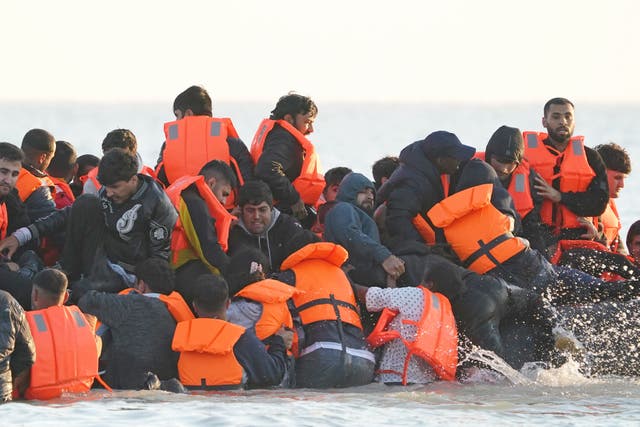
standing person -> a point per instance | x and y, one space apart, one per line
573 179
261 225
65 342
130 220
215 353
199 240
34 186
618 164
196 137
286 160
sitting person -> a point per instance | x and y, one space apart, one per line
17 350
261 225
141 325
65 341
217 354
331 350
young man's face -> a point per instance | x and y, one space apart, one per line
221 189
256 217
559 122
302 122
503 167
616 182
9 171
121 191
365 200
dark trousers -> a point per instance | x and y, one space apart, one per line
328 368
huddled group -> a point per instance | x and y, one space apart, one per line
228 267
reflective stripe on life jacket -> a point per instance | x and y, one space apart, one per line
611 225
67 356
206 353
574 172
273 295
4 220
310 183
478 232
519 187
27 183
436 339
328 295
184 240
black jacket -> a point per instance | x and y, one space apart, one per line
279 165
263 367
271 242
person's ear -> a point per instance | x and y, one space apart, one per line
66 297
289 119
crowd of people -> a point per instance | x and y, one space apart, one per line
230 266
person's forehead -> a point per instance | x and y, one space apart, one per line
560 108
258 206
8 164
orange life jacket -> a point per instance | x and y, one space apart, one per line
28 183
273 295
424 228
478 232
328 295
575 174
67 356
611 223
436 339
63 194
181 249
206 353
193 141
519 188
177 306
310 183
4 220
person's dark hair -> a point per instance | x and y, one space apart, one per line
254 193
239 272
299 240
52 281
615 157
334 175
87 161
556 101
157 274
117 165
210 293
64 160
383 168
38 140
445 276
120 138
220 171
505 145
293 104
10 152
195 99
634 230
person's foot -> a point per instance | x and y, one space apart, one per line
172 385
152 382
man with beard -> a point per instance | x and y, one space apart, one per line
573 178
350 224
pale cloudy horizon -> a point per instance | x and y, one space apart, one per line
496 51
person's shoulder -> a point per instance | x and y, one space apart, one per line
288 221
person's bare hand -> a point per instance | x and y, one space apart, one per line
394 266
286 335
547 191
9 245
591 230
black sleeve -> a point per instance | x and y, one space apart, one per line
55 222
263 369
403 204
593 201
24 353
161 223
16 211
238 150
204 227
279 164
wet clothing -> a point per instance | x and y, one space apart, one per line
142 330
271 242
130 232
17 349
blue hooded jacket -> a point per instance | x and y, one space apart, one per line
349 226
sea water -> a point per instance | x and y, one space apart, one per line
353 135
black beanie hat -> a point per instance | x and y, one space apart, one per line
506 143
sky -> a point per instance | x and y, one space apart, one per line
453 51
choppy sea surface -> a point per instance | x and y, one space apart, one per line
353 135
